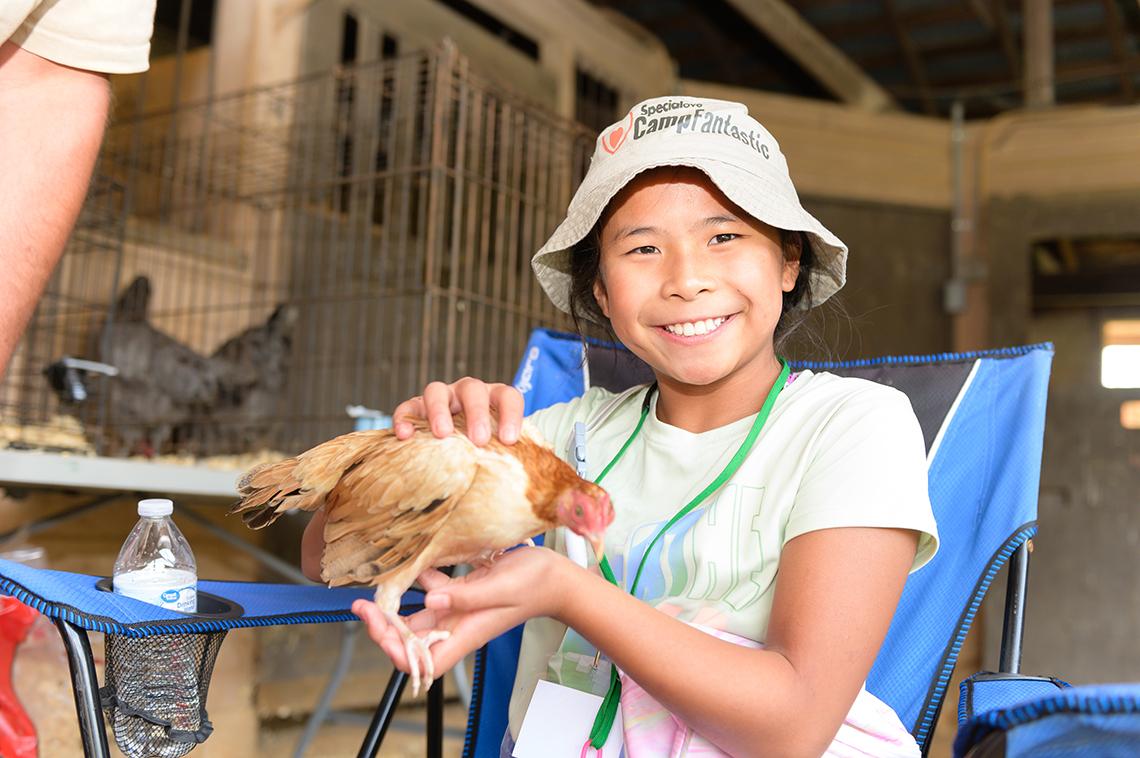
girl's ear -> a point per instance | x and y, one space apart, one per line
792 253
601 296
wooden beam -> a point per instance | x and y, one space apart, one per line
814 53
974 85
984 13
842 28
951 48
1037 23
1008 42
1119 47
913 62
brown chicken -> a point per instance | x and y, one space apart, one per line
397 508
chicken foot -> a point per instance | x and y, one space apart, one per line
416 648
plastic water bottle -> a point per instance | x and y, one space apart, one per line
155 564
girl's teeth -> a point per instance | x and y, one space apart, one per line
690 328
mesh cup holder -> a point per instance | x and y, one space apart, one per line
155 687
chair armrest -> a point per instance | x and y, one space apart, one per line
1099 719
990 690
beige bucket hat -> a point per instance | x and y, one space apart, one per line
719 138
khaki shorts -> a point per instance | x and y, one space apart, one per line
109 36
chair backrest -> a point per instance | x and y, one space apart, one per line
982 416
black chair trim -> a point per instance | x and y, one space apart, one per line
475 710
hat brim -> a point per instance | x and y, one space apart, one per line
751 192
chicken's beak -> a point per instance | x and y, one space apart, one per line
599 544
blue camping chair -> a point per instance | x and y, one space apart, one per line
982 416
1101 720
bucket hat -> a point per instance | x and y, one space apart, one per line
717 137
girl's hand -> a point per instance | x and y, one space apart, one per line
524 583
471 397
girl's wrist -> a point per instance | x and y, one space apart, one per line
569 589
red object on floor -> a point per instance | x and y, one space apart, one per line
17 733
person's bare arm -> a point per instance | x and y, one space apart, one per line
52 119
313 546
835 594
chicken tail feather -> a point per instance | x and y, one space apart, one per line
269 490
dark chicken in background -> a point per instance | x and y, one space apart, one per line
165 395
161 383
252 369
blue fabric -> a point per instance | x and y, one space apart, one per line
1097 720
551 370
74 597
983 486
987 691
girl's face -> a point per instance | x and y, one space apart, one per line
691 283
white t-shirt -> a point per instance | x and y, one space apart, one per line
834 452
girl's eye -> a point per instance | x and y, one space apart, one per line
643 250
724 237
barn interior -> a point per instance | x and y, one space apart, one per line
329 203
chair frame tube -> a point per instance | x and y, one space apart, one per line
1013 626
382 719
85 685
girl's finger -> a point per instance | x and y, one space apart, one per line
374 622
470 635
404 413
468 596
474 399
508 404
369 614
439 405
433 579
387 637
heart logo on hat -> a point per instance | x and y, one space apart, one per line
612 141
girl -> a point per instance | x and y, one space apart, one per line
766 521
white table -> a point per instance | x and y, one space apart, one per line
30 468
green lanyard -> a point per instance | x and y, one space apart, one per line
604 721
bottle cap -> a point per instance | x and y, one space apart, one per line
155 507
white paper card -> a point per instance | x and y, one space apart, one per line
557 725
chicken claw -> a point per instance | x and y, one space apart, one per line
487 558
418 650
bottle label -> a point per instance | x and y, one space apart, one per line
172 590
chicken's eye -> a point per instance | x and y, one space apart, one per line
578 511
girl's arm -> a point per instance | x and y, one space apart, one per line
835 594
312 545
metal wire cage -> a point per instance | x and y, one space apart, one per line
251 264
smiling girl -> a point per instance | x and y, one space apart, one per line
766 520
